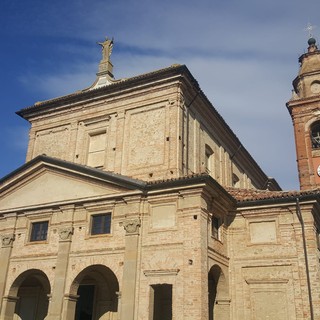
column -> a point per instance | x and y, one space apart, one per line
6 247
130 269
57 297
69 308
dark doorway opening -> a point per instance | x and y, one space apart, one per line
33 297
212 286
97 287
162 301
84 309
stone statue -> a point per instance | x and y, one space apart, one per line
107 46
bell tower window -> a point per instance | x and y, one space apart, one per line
315 135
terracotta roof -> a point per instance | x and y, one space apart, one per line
253 195
183 178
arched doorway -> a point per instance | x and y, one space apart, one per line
218 295
97 289
28 296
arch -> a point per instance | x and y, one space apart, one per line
235 181
209 161
96 290
218 294
28 296
315 134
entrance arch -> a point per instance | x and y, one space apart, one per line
218 290
28 296
96 288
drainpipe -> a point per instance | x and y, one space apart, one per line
299 215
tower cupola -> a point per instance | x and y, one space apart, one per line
307 83
304 108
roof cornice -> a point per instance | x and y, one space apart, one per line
117 87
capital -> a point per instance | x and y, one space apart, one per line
132 226
7 240
65 233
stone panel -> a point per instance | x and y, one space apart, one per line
263 231
146 138
52 142
163 216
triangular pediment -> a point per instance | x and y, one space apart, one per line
44 183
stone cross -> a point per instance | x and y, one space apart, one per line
310 28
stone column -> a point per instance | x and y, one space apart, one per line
69 308
57 297
8 307
6 248
130 269
222 309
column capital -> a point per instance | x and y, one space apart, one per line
132 226
71 297
65 233
7 240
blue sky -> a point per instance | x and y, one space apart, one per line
244 55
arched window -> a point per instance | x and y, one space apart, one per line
235 181
209 160
315 135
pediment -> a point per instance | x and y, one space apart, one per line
44 185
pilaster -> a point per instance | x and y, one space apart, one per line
130 268
7 239
57 299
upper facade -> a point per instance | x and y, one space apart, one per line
304 108
155 126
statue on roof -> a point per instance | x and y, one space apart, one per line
106 47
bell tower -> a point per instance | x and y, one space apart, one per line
304 108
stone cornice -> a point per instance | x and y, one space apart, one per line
116 88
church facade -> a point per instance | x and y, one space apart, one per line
137 201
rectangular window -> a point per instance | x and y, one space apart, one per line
215 226
39 231
318 238
96 151
101 223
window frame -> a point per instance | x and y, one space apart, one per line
104 225
34 236
208 160
216 227
314 143
93 154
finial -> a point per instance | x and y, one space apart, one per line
310 28
311 41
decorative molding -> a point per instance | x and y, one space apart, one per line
223 301
7 240
266 281
132 226
65 233
161 272
11 298
71 297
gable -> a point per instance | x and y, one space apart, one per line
49 186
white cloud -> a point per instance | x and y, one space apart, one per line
243 53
